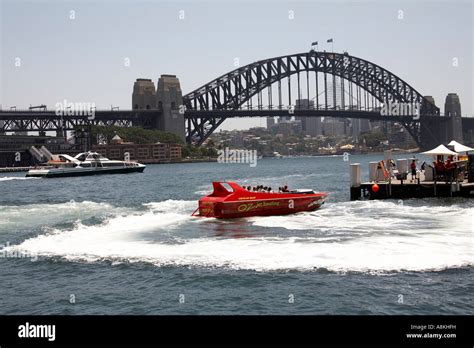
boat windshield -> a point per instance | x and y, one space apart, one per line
222 189
81 157
227 186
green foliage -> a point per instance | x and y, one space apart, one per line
373 139
198 152
135 135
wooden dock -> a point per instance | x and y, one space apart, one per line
418 188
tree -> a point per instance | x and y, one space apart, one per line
134 135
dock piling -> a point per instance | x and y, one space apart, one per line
355 181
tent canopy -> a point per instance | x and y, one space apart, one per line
460 147
440 150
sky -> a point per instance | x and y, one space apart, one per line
92 51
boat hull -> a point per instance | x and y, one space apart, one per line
57 173
268 207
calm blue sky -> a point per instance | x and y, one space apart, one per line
82 59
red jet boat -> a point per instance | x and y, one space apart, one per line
230 200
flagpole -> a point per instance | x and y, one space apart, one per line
331 40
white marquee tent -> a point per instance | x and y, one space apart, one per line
460 147
440 151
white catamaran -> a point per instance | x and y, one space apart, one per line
86 163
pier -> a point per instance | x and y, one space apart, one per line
402 186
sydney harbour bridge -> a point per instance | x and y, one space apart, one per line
338 85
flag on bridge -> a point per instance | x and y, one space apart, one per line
329 40
314 43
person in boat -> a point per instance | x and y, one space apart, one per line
285 189
413 169
269 190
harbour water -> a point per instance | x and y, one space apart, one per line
126 244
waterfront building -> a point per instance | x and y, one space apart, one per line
146 153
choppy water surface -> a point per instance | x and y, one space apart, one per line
128 244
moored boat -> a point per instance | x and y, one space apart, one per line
229 200
86 163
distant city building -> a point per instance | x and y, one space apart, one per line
287 127
309 125
297 126
144 95
359 126
452 109
270 122
333 127
237 140
149 153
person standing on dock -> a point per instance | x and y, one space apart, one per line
413 170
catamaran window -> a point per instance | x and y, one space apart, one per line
112 164
81 157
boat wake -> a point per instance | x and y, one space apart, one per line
374 237
44 215
10 178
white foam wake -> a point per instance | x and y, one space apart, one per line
33 215
404 238
10 178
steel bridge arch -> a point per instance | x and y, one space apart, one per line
230 91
